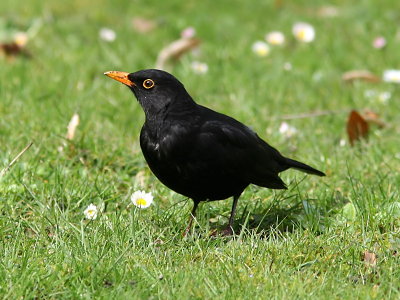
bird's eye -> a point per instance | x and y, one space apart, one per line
148 84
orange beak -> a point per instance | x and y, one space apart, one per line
121 77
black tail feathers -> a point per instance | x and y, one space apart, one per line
303 167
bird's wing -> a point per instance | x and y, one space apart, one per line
233 149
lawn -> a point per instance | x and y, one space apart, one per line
336 237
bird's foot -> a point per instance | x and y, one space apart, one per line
228 231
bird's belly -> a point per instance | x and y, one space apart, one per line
201 185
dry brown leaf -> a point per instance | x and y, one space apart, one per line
369 258
143 25
357 127
72 125
141 178
175 50
13 49
158 242
365 75
372 117
10 49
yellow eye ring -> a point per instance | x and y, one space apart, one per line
148 84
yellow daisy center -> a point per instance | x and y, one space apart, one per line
90 212
141 202
302 34
275 40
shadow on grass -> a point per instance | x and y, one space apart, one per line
283 212
262 220
280 215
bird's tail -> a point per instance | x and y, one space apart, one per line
303 167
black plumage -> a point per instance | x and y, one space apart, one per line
197 152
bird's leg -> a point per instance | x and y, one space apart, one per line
192 216
233 211
229 230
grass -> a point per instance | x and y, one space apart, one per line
306 242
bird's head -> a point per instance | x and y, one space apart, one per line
155 90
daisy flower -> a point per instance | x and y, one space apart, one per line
91 212
384 97
287 130
287 66
199 67
303 32
107 34
275 38
391 76
379 42
21 38
260 48
188 33
142 199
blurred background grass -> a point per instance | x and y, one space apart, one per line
44 195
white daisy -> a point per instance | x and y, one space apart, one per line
303 32
287 66
287 130
391 76
107 34
384 97
199 67
91 212
142 199
275 38
260 48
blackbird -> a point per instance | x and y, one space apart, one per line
197 152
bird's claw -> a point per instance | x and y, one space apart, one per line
228 231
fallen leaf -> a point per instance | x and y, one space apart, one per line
12 49
365 75
357 127
372 117
175 50
141 178
158 242
72 125
369 258
15 47
143 25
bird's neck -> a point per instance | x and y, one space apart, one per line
160 118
